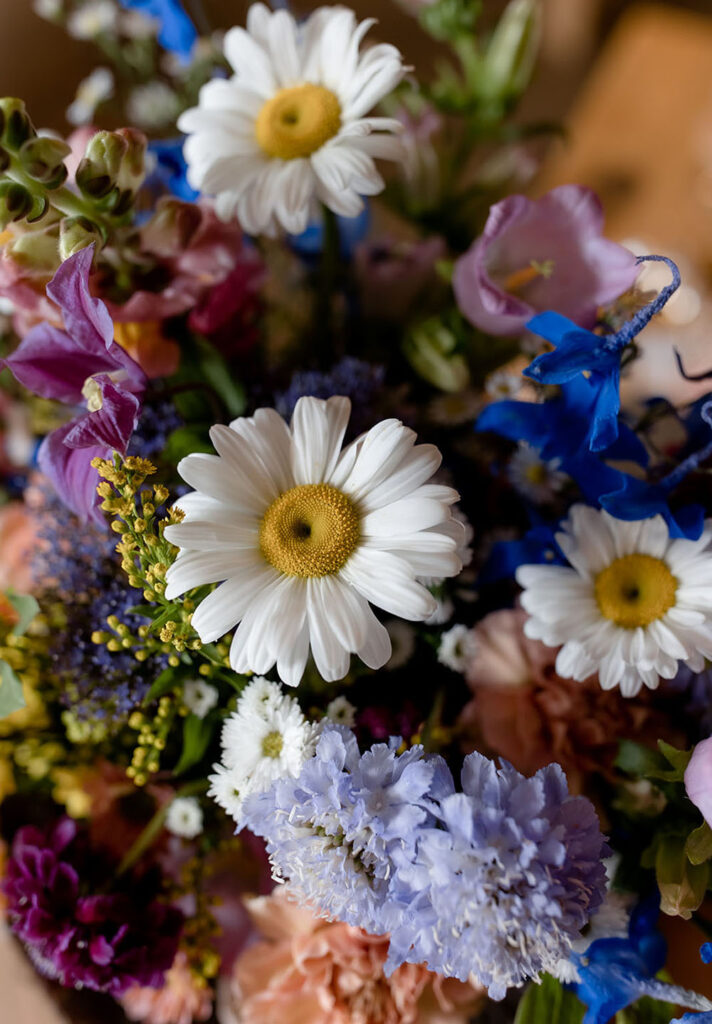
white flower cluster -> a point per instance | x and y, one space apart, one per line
265 738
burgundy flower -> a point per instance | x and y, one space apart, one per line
80 365
103 941
543 254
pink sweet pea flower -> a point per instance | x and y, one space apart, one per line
537 255
698 779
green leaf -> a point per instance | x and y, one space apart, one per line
635 759
549 1003
184 441
168 614
165 682
646 1011
11 695
217 374
682 884
699 844
197 734
26 607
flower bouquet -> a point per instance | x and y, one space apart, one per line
353 633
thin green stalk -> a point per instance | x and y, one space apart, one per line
152 831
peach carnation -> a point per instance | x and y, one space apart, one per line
526 713
306 970
182 1000
18 539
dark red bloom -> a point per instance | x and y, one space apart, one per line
105 941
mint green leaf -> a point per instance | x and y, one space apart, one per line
197 734
549 1003
699 844
26 608
11 695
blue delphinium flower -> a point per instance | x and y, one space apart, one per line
332 831
513 876
177 32
169 172
579 351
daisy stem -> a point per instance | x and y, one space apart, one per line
327 281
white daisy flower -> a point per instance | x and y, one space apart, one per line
533 477
289 128
199 697
304 535
502 384
262 741
153 105
92 19
633 603
260 695
91 91
342 712
184 817
457 648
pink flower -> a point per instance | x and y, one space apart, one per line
181 1000
698 779
537 255
309 971
393 275
18 541
526 713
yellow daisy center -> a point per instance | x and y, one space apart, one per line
311 530
536 473
298 121
635 590
272 744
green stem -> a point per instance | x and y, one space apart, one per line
155 826
327 281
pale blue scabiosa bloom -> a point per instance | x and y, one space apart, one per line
332 831
513 876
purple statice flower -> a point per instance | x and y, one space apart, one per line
81 365
512 874
76 933
542 254
77 567
333 830
358 380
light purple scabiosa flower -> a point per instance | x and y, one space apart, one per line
332 832
513 874
541 254
81 365
75 931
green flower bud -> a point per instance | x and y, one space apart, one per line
171 227
18 203
682 884
15 125
77 233
42 158
509 59
430 350
449 19
112 169
36 251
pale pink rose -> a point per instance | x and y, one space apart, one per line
181 1000
18 540
698 779
309 971
523 711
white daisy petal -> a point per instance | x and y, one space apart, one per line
385 581
318 429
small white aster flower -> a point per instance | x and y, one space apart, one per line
184 817
153 105
92 19
199 697
503 384
306 534
533 477
49 9
259 696
91 91
137 25
262 741
632 604
341 711
290 127
457 648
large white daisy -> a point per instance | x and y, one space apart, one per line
633 603
289 128
305 534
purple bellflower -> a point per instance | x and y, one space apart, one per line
541 254
81 365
